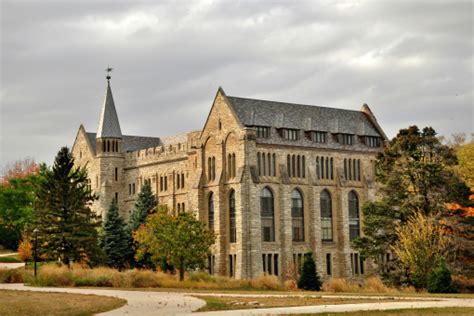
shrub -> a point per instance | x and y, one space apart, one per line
12 275
464 283
339 285
266 282
439 280
309 278
373 284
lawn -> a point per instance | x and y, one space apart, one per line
14 303
10 259
239 302
448 311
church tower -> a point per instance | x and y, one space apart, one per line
110 153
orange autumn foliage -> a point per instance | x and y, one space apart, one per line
19 169
25 250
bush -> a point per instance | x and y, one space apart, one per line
309 278
12 275
439 280
266 282
464 283
340 285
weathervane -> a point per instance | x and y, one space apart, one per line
108 70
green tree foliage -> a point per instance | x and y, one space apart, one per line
114 238
309 278
145 205
439 280
67 226
182 239
17 194
465 168
414 174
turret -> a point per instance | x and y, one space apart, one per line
109 135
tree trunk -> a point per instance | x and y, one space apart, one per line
181 271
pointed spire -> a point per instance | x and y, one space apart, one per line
109 125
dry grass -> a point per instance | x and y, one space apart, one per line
14 303
370 285
238 302
52 275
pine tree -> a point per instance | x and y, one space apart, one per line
309 278
67 226
144 205
114 238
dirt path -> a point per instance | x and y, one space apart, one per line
174 303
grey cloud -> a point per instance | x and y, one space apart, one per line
411 61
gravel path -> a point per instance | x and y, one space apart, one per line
174 303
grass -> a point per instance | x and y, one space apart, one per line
10 259
448 311
238 302
14 303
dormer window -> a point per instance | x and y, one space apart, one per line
263 132
318 137
372 141
288 133
345 139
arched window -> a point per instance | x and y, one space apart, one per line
358 170
264 168
210 211
326 216
297 216
229 166
103 147
232 226
332 168
354 220
179 208
177 181
354 168
113 146
108 145
293 167
298 166
345 169
182 180
267 213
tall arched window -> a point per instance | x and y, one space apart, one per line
297 216
103 147
269 164
326 216
213 168
209 168
108 145
354 220
274 165
258 165
234 168
267 213
232 226
210 211
288 165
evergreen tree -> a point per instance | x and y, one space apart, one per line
309 278
67 226
145 205
415 174
439 280
114 238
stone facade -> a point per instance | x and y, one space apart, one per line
242 150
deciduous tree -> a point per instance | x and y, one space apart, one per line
181 239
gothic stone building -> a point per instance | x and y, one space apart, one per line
271 179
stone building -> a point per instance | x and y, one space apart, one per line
272 179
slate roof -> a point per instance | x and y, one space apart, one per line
133 143
252 112
109 125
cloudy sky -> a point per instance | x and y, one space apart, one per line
411 61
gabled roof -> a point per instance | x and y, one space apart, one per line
109 125
252 112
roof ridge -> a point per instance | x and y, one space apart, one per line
299 104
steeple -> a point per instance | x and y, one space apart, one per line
109 126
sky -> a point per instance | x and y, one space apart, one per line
410 61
